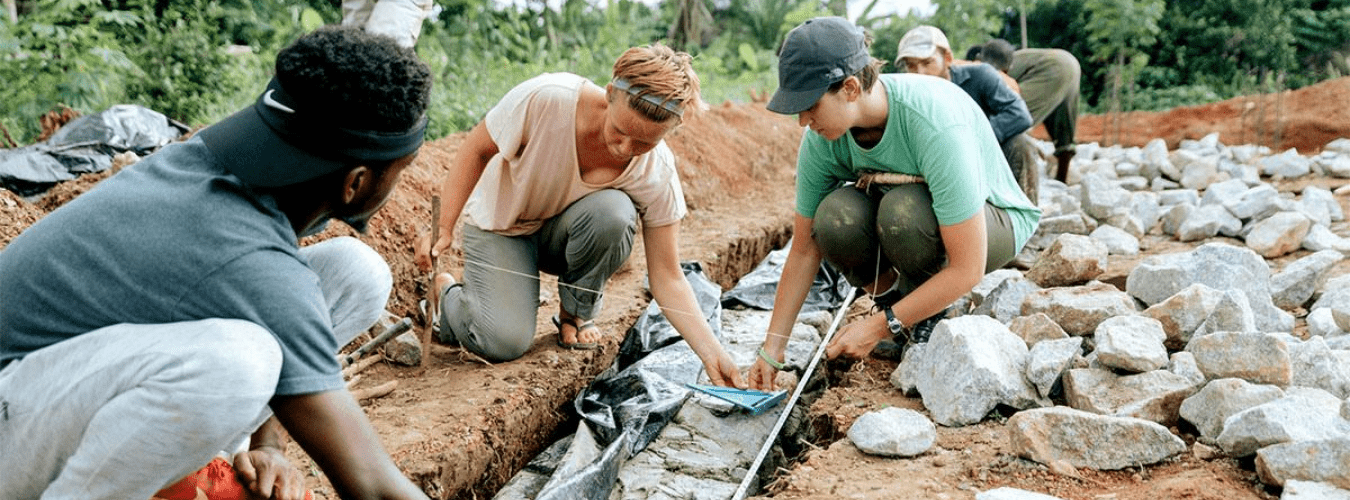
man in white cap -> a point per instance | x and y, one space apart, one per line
925 50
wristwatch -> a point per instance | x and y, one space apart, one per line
896 327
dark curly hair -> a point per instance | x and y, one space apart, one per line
353 79
998 53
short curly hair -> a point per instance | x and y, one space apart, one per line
998 53
353 79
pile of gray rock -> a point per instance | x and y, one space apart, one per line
1201 340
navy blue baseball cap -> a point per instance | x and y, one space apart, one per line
275 143
818 53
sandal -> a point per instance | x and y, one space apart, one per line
575 346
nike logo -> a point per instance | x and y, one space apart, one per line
272 103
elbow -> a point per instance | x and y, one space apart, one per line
966 277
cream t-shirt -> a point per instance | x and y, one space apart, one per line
535 174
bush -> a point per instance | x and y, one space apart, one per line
182 64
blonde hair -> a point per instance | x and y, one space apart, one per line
660 82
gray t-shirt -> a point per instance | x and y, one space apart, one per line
172 238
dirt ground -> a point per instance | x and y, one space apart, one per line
461 427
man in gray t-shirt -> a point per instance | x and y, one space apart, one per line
169 314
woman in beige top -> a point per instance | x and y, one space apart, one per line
555 179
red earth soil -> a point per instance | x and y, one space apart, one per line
461 427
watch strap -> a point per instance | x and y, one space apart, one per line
892 323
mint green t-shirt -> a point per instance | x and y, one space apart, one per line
933 130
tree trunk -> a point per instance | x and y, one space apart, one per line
12 10
1113 106
1022 19
691 26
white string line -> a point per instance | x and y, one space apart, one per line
536 277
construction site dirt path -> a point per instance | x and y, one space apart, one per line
461 427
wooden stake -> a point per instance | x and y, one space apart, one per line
375 392
351 371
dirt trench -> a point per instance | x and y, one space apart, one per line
461 428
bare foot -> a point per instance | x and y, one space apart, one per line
442 281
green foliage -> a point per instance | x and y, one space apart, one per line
199 60
748 56
763 23
181 64
1159 99
968 22
1118 30
166 56
478 53
64 55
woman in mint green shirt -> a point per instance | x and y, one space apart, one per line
941 210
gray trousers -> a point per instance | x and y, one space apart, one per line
492 313
862 234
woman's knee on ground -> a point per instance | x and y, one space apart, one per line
505 340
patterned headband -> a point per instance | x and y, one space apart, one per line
666 104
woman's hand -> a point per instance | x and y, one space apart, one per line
857 339
762 376
722 371
423 251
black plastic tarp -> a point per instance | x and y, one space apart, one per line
756 290
85 145
625 408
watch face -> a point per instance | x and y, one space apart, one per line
893 324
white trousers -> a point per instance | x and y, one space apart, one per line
123 411
401 19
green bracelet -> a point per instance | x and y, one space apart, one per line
764 355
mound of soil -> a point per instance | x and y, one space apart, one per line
461 427
1305 119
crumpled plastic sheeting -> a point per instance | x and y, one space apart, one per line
625 408
756 290
85 145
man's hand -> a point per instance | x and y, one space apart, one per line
267 473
